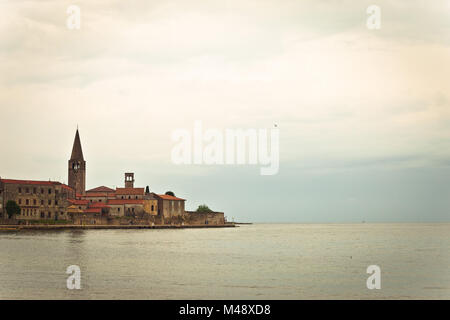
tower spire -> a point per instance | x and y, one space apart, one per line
77 152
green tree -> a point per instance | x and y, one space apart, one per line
170 193
12 208
203 208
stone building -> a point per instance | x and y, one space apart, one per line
37 199
169 206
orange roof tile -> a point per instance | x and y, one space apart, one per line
125 201
98 205
78 202
93 210
65 186
95 194
129 191
100 189
35 182
168 197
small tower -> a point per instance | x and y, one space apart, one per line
77 167
129 180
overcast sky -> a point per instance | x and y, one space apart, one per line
364 115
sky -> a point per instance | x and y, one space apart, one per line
363 114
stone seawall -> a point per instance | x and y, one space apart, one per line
72 226
206 218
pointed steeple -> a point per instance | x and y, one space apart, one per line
77 152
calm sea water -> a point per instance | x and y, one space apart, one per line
261 261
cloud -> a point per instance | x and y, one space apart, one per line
343 96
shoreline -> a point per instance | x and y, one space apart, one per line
103 227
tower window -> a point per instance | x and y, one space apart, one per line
49 191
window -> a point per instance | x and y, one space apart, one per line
49 214
27 202
34 201
34 190
42 191
136 197
20 190
42 215
42 202
129 197
56 202
49 202
20 201
49 191
118 209
153 208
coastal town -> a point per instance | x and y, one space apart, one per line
32 203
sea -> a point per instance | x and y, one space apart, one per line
258 261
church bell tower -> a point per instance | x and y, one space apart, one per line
77 167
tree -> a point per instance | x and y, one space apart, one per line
12 208
203 208
170 193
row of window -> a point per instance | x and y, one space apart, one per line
34 213
28 202
27 190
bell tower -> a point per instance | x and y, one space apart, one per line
129 180
77 167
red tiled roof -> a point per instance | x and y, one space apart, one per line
100 189
65 186
93 210
95 194
47 183
125 201
168 197
98 205
78 202
130 191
